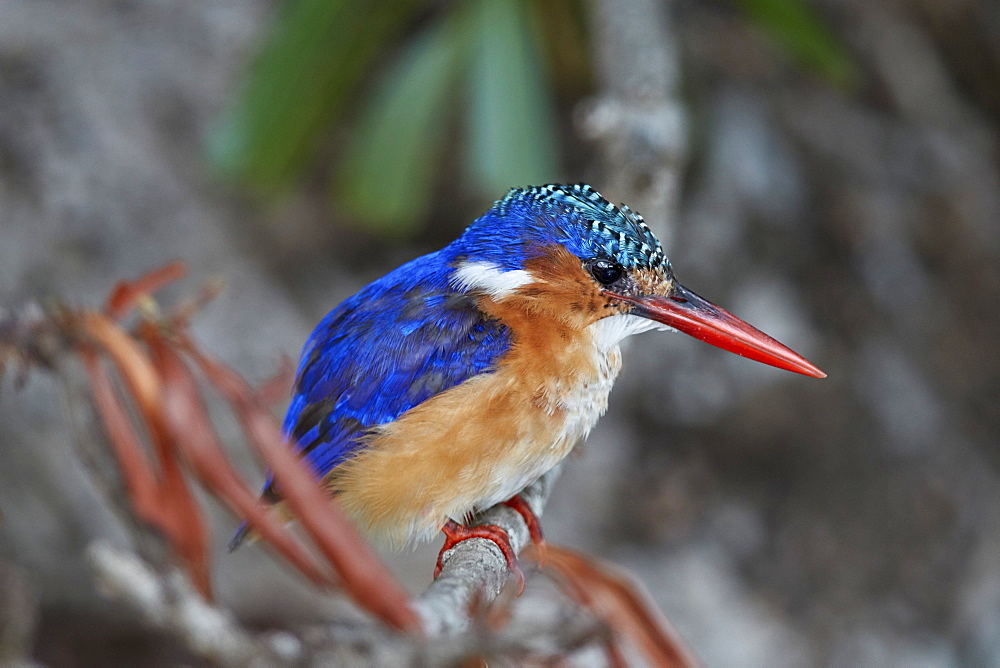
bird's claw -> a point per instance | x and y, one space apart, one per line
455 533
534 525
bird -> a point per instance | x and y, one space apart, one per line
453 382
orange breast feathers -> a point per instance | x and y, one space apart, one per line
481 442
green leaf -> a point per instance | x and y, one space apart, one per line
511 131
796 26
305 75
387 176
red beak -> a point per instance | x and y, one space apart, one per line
687 312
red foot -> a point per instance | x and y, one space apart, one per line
534 526
455 533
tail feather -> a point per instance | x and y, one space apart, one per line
244 534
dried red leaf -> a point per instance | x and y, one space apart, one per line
365 577
181 520
621 602
125 294
140 481
194 435
135 366
186 528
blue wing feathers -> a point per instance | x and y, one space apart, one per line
398 342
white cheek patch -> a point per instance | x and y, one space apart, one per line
490 278
609 332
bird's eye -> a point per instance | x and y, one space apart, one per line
605 271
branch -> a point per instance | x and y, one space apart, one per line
637 121
171 604
475 571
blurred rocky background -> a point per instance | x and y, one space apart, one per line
826 169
